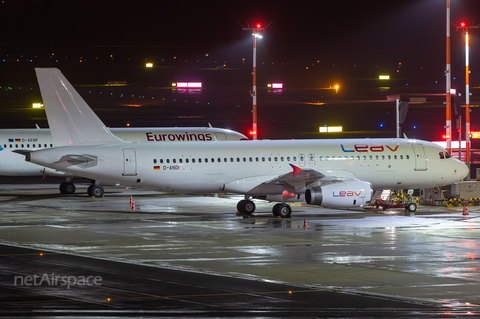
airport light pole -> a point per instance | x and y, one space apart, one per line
256 34
448 102
465 28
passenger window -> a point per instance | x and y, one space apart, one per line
401 157
206 160
193 160
250 159
180 161
269 159
358 157
383 157
364 158
51 145
376 157
256 159
281 158
225 159
154 161
186 160
276 159
168 160
219 160
161 161
389 157
28 145
174 161
238 159
231 159
294 158
394 156
408 156
244 159
288 158
263 159
321 158
327 158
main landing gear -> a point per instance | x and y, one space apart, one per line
67 188
93 190
247 207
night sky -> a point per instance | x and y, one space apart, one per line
370 36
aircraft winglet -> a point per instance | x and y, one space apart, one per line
296 170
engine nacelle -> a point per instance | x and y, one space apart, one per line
340 195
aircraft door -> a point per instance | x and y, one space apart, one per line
301 158
420 158
129 162
311 159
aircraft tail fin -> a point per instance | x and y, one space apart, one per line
71 120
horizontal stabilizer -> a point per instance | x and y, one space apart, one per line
71 120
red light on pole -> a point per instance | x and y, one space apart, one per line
259 25
463 24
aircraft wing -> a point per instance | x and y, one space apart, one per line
296 179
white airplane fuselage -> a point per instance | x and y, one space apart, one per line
13 164
241 166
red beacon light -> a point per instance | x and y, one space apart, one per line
463 24
259 25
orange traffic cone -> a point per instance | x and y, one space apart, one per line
131 201
305 226
465 210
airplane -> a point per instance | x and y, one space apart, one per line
11 164
33 139
339 173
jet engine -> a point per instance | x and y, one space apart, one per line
340 195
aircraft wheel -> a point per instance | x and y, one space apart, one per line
246 207
412 207
95 191
67 188
282 210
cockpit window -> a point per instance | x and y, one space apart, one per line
441 155
447 155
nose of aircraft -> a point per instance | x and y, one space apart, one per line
461 169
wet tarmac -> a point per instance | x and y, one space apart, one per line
192 255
